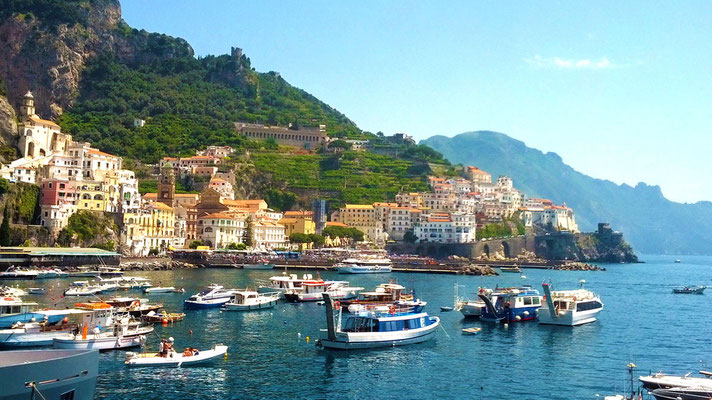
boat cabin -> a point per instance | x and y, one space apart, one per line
362 323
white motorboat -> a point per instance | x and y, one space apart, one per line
119 336
214 297
189 357
35 290
472 308
101 271
19 273
364 265
665 381
569 307
163 289
338 290
245 300
284 283
83 291
379 326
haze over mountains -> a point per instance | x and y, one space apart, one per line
650 222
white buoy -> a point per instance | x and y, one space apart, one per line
518 318
526 313
524 277
506 326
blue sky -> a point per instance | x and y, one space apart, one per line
621 90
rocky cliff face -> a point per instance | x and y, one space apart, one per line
48 58
8 123
603 246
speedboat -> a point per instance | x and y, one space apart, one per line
284 283
189 357
665 381
511 304
682 393
364 265
338 290
247 300
379 326
35 290
214 297
690 290
569 307
83 290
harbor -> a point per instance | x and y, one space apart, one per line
535 355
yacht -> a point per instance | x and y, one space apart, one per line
378 326
512 304
338 290
364 265
665 381
19 273
49 374
214 297
283 283
569 307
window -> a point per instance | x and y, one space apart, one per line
67 395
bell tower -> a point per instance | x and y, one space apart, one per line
27 109
167 185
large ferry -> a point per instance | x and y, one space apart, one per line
48 374
379 326
569 307
511 304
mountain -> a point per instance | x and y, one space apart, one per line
651 223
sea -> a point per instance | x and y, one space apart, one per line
272 353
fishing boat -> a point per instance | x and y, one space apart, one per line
690 290
364 265
514 269
190 356
247 300
41 333
378 326
473 308
163 289
338 290
471 331
214 297
259 265
48 374
14 310
511 304
569 307
163 317
291 282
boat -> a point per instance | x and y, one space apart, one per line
338 290
123 334
18 273
665 381
259 265
378 326
98 272
133 306
677 261
9 291
83 291
48 374
47 273
214 297
690 290
471 331
247 300
513 269
283 283
513 304
383 294
163 289
162 317
14 310
364 265
569 307
446 308
189 357
35 290
473 308
41 333
682 393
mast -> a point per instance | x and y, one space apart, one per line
329 305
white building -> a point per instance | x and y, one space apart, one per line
446 228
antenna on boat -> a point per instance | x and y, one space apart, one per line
631 367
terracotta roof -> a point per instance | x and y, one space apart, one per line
299 213
359 206
288 221
199 158
162 206
218 180
43 121
439 220
217 216
385 204
95 151
334 223
416 210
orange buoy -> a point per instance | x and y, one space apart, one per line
65 320
165 321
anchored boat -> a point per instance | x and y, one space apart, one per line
364 265
569 307
690 290
338 290
247 300
214 297
378 326
511 304
190 356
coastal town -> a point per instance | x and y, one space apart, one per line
75 177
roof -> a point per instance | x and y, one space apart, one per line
335 223
382 204
218 216
162 206
288 221
298 213
432 219
95 151
359 207
476 170
43 121
217 180
199 158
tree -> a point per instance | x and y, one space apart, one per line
195 244
5 228
318 240
340 145
409 236
270 144
247 235
299 238
343 232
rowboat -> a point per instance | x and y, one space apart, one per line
189 357
471 331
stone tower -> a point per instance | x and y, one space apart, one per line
27 109
167 185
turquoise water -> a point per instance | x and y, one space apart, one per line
269 357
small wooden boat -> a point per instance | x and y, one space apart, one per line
690 290
189 357
163 316
471 331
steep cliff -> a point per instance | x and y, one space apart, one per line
604 245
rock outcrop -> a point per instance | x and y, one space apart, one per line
604 245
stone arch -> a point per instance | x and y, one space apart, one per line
98 197
42 153
507 250
30 149
486 250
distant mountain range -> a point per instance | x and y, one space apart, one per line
650 222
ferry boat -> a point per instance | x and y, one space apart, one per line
214 297
364 265
248 300
376 327
511 304
569 307
14 310
338 290
48 374
283 283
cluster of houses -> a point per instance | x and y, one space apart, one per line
452 211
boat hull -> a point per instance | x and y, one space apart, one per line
307 297
357 269
205 356
258 266
569 318
56 372
367 340
101 343
471 310
204 304
10 320
249 307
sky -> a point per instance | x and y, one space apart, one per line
620 90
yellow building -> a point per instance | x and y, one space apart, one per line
91 196
152 227
298 222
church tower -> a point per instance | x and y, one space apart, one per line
167 185
27 109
